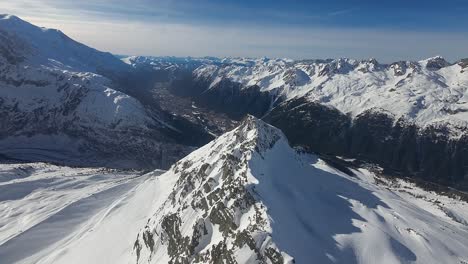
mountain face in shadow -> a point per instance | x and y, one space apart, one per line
436 153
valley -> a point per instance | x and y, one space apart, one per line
141 159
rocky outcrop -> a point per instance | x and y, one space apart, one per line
463 64
213 212
309 123
399 68
436 63
9 48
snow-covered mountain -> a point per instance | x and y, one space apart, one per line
248 197
427 91
408 117
21 41
170 62
56 106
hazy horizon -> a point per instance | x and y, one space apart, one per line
275 29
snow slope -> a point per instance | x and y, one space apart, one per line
52 48
54 105
42 107
427 91
49 210
248 197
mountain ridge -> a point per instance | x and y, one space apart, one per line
52 48
57 107
248 197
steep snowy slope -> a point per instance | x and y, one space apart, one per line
45 208
55 107
248 197
71 116
426 91
52 48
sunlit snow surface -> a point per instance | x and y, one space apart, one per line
51 214
47 210
315 213
406 89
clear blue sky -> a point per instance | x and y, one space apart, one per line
386 30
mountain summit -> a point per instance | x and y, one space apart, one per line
248 197
50 47
212 214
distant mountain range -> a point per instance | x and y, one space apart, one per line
409 117
63 101
427 91
270 161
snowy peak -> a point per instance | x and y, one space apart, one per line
463 63
435 63
426 91
213 214
248 197
262 135
338 66
168 62
399 68
52 48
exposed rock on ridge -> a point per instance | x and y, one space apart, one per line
213 213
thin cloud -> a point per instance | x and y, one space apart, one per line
139 35
344 11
